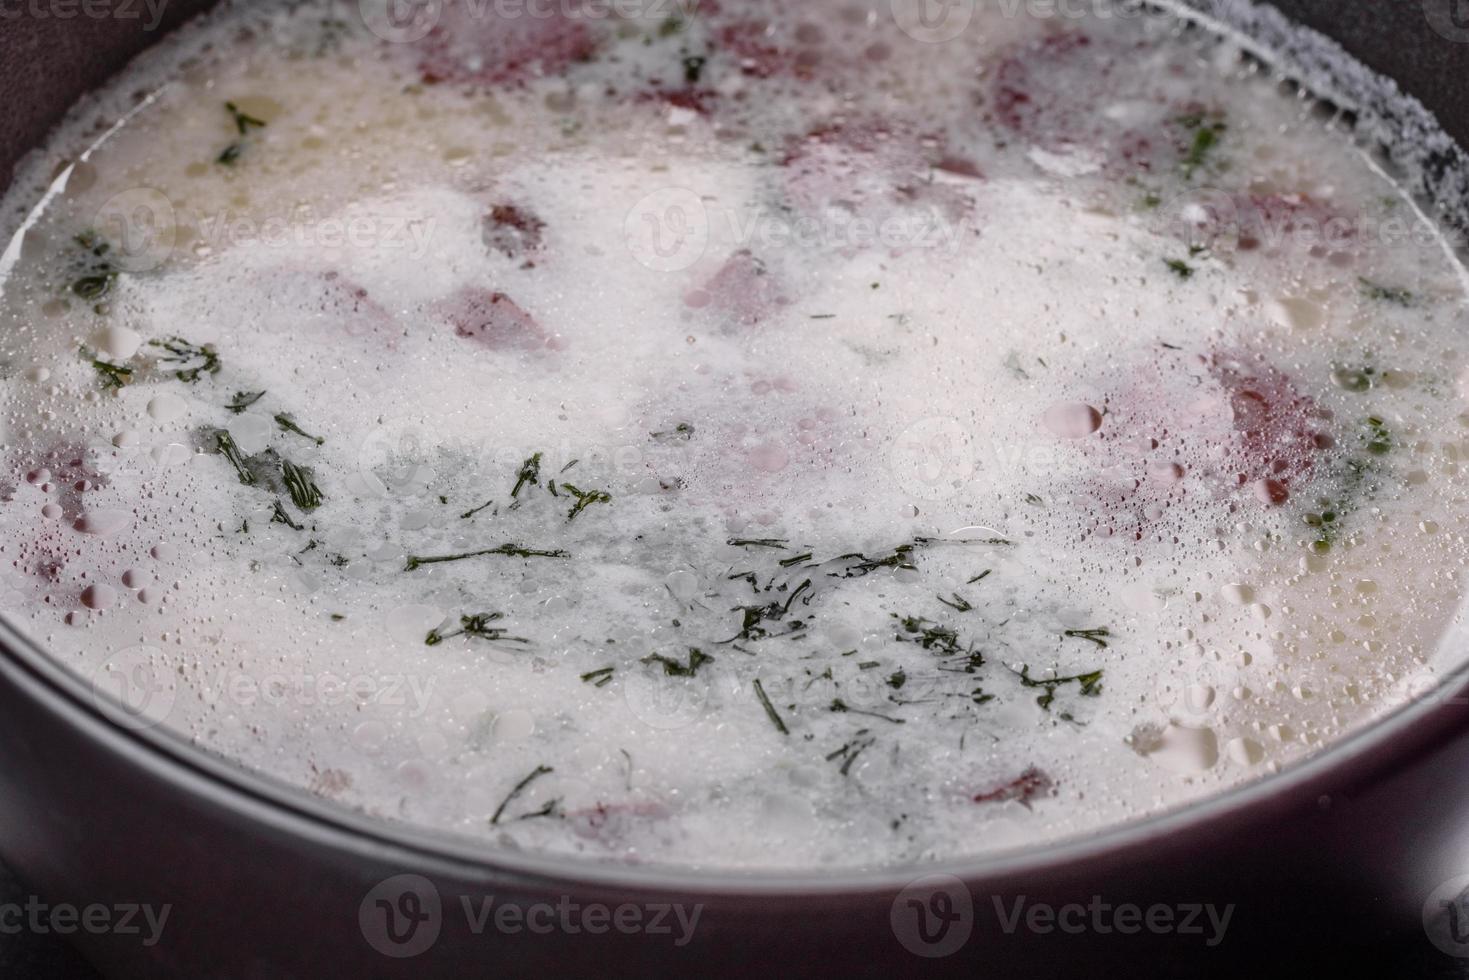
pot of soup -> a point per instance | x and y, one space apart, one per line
735 486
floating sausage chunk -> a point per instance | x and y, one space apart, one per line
744 291
1102 103
476 44
492 320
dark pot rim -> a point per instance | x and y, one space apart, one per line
1360 759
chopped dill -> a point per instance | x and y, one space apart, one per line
958 603
980 577
1385 294
1093 635
682 432
672 668
849 752
1207 135
416 562
770 711
243 120
243 400
777 543
838 705
112 376
584 499
1090 685
231 452
279 516
1179 268
288 424
529 473
299 484
477 626
931 636
520 787
600 677
194 360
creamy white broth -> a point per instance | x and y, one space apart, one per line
842 450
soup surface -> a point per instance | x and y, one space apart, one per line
752 436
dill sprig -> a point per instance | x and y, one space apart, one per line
477 626
416 562
305 494
520 788
288 424
584 499
600 677
244 122
1093 635
280 516
770 711
672 668
112 376
1386 294
840 706
777 543
243 400
851 750
682 432
231 451
197 359
1090 685
529 474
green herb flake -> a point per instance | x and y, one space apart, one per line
1096 636
520 788
243 400
416 562
299 484
478 626
193 360
584 499
288 424
600 677
770 711
672 668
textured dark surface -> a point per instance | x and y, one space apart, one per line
47 63
25 954
1406 41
